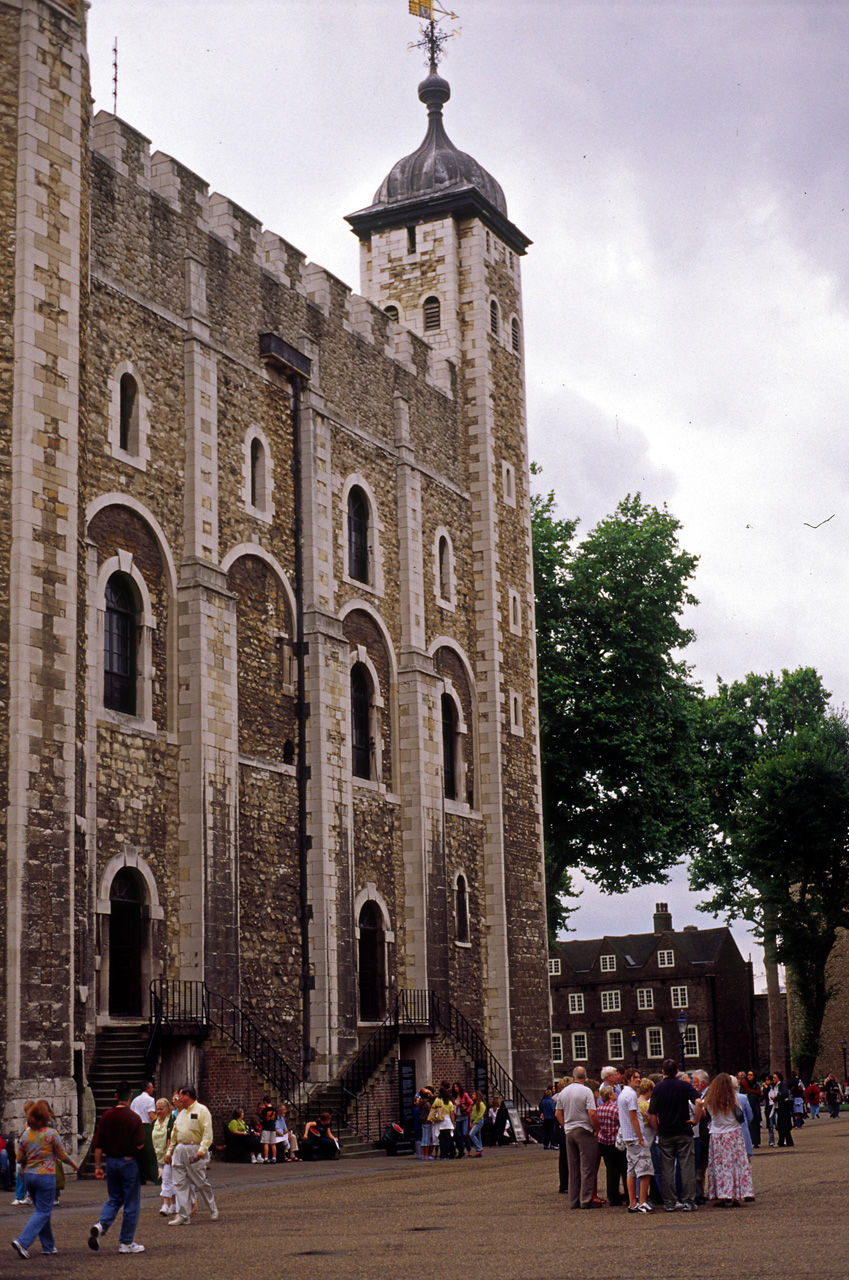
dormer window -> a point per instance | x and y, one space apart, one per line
666 959
608 964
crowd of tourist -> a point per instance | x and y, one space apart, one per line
672 1140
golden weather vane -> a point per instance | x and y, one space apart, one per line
432 39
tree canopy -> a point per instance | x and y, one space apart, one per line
620 761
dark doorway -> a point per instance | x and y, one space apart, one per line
371 955
127 936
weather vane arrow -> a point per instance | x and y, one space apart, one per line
432 40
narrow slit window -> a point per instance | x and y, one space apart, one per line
360 723
411 239
129 423
462 909
449 747
516 336
444 569
358 530
493 318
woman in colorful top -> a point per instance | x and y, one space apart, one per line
38 1149
729 1173
477 1115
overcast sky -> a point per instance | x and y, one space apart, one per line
681 170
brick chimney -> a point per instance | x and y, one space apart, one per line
662 917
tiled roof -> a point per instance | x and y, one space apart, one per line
633 950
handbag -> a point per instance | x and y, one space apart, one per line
620 1141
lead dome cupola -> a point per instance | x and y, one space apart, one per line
437 167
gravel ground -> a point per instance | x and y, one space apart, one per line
500 1216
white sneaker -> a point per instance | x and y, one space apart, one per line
94 1237
254 1160
131 1248
165 1211
178 1221
213 1214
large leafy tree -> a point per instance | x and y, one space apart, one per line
776 768
619 751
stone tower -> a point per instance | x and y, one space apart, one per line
44 209
440 256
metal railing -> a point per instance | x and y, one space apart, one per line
179 1004
418 1011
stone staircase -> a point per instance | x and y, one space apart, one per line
118 1055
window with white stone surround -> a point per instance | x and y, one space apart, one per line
129 417
257 475
443 570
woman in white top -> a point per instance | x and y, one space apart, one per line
729 1172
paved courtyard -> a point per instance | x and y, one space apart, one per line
497 1217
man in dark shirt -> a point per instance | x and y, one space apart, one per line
120 1136
670 1116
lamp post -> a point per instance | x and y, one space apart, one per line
843 1047
682 1020
635 1048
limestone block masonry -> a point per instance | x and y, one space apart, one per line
267 669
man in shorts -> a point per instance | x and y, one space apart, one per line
637 1146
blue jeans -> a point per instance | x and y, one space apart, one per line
124 1186
475 1135
42 1188
461 1129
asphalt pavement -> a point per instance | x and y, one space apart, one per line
502 1216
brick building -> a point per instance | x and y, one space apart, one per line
607 990
268 723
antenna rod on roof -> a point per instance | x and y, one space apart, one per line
115 77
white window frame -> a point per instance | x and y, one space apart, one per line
554 968
607 964
557 1047
576 1002
691 1041
614 1053
666 959
645 998
581 1040
675 994
650 1031
611 1002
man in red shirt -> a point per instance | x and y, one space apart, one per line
120 1136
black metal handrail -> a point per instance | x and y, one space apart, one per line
418 1010
151 1053
186 1003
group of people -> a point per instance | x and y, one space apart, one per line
448 1122
689 1137
270 1140
787 1104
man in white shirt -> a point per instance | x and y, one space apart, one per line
637 1145
575 1111
145 1105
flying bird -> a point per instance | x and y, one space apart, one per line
821 523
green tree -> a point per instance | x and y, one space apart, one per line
619 752
771 765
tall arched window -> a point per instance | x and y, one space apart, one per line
258 498
461 910
360 722
444 569
493 318
129 421
119 647
449 747
432 314
517 340
358 531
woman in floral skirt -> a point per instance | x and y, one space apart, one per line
729 1172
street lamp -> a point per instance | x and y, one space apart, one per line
635 1048
843 1047
682 1021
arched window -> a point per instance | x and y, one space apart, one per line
392 312
119 647
258 496
461 910
449 747
358 513
371 956
432 314
444 569
360 722
516 335
493 317
128 437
